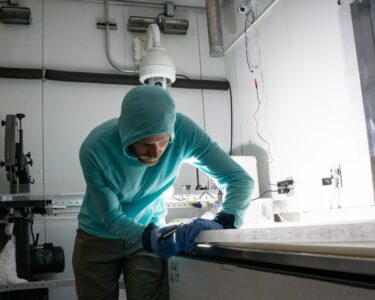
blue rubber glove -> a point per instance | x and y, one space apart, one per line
152 243
186 234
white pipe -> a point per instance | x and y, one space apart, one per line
108 48
152 37
251 25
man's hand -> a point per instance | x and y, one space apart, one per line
186 234
184 237
152 242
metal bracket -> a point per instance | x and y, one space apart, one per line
103 24
169 9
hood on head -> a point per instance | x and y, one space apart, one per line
146 110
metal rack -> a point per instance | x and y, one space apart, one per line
37 285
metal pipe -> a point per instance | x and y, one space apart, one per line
108 48
123 79
145 4
15 15
68 76
215 33
152 37
131 80
21 73
269 7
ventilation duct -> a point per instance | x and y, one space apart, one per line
215 33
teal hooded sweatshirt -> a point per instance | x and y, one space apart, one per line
122 195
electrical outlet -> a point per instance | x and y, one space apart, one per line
286 186
327 181
336 175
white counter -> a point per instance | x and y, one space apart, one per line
350 238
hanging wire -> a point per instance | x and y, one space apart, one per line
270 160
333 198
252 67
249 63
183 76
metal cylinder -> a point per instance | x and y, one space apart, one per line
215 33
175 26
15 15
47 259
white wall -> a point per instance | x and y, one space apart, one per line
311 111
59 115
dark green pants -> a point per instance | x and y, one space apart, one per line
98 264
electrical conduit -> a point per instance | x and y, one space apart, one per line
108 48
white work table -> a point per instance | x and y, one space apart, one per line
350 238
343 252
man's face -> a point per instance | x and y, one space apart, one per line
150 149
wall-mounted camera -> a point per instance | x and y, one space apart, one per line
156 67
158 81
246 7
243 9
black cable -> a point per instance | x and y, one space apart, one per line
35 240
231 122
32 230
197 177
180 75
269 191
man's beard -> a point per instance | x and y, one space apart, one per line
148 161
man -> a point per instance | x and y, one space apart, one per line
128 164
